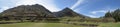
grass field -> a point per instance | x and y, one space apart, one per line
28 24
38 25
109 24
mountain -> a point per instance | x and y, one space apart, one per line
39 11
67 12
28 11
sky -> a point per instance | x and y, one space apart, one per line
92 8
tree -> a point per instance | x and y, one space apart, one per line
116 15
108 14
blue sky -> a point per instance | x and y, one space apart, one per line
92 8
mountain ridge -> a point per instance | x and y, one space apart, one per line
39 10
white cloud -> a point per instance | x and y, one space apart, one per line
4 8
100 11
104 10
93 16
94 13
77 3
25 2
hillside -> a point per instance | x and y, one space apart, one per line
67 12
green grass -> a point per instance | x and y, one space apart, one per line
16 25
60 25
109 25
30 24
38 25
